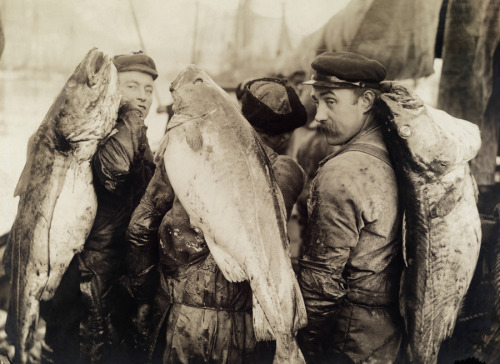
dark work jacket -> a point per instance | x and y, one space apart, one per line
87 297
351 262
207 318
309 154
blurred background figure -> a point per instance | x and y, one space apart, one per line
295 80
274 110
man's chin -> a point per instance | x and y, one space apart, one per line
330 139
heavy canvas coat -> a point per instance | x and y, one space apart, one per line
80 325
351 263
207 318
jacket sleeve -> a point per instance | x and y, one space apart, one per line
142 235
290 178
334 225
117 155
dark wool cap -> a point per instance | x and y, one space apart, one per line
135 62
345 69
272 106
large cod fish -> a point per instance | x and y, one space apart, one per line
442 234
57 201
223 178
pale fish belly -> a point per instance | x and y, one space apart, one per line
225 191
448 234
72 220
30 251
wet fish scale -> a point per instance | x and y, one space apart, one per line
430 151
57 201
221 175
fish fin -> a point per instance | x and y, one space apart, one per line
403 238
161 150
444 206
300 318
25 174
232 271
194 138
262 328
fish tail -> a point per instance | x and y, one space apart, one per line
288 351
268 317
300 315
262 328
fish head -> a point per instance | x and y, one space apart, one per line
415 137
430 140
195 94
87 107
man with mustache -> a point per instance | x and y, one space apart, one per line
85 318
351 261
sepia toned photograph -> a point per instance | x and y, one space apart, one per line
250 181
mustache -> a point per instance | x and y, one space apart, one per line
328 129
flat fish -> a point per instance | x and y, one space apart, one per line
223 179
57 201
430 151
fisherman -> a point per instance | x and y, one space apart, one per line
85 315
195 313
296 80
267 104
240 90
351 262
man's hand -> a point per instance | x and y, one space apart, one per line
141 322
133 117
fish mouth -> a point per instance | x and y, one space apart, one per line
97 64
191 74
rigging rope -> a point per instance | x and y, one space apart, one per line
143 47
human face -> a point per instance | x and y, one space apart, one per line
296 83
137 88
340 114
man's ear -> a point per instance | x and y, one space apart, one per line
367 100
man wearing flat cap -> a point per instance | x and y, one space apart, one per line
84 318
274 110
351 261
208 308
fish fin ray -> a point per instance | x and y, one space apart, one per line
404 231
25 174
300 318
194 138
229 267
262 328
161 150
445 205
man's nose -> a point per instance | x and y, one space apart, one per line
141 95
320 114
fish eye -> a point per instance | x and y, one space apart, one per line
198 80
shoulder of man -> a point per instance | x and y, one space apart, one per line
287 169
355 174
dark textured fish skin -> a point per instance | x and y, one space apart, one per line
430 151
57 202
223 178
